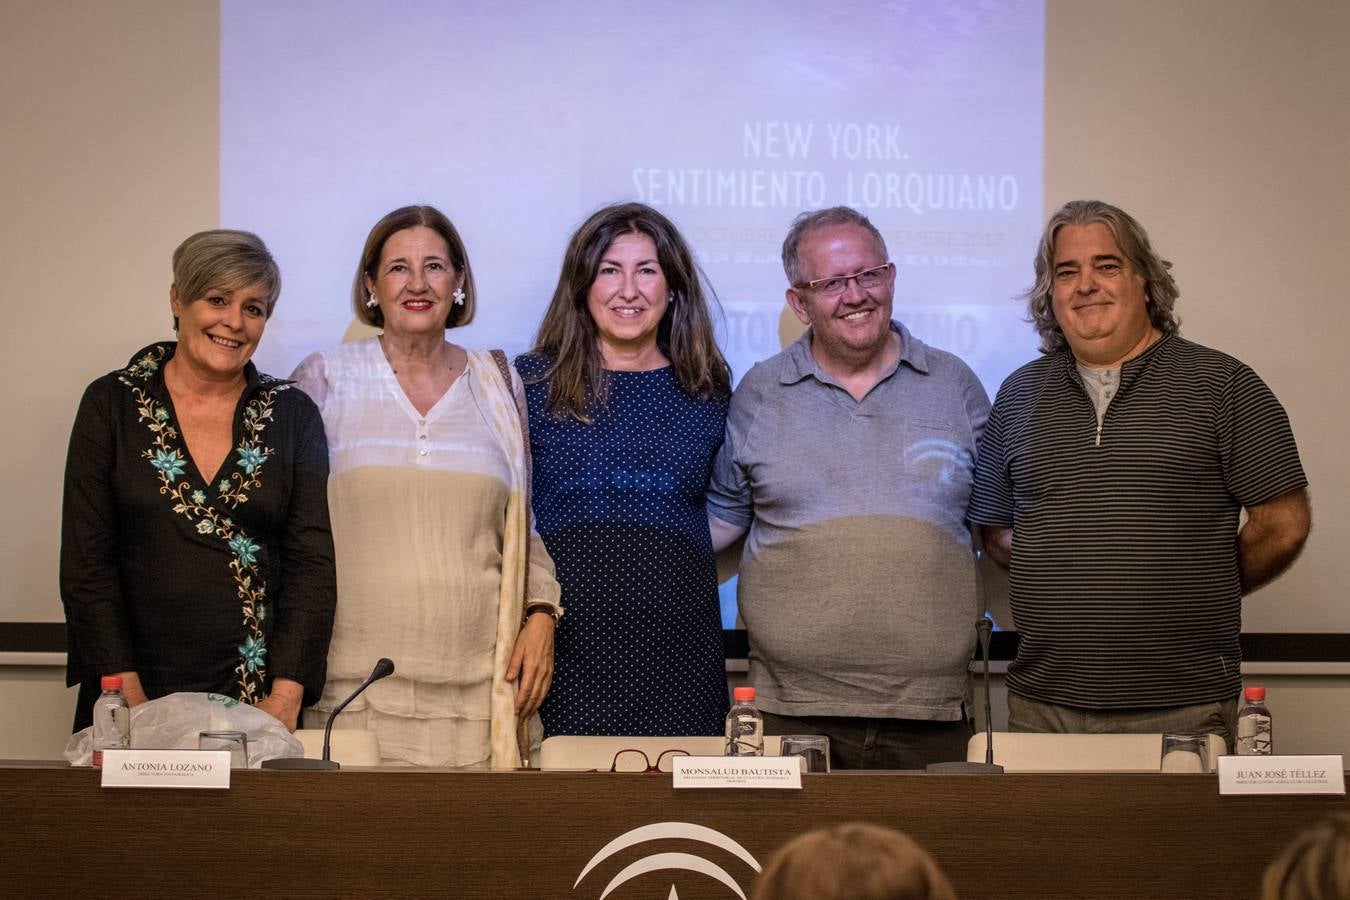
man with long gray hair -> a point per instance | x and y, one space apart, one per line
1111 478
849 457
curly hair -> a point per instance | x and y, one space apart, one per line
1133 242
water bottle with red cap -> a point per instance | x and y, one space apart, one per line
112 719
1255 729
745 726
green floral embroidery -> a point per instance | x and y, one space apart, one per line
147 365
235 487
252 652
244 548
170 463
250 459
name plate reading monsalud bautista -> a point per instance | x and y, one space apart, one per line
1281 775
166 768
780 772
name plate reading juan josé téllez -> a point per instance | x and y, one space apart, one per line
1281 775
166 768
781 772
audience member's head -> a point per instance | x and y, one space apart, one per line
856 861
1316 866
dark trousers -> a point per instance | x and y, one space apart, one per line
862 743
1219 717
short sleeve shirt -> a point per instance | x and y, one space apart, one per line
857 585
1124 586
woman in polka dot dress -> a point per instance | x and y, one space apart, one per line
627 396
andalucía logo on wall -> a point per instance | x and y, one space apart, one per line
657 862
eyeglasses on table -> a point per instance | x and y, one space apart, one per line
633 760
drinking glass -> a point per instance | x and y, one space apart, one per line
814 749
1185 752
234 741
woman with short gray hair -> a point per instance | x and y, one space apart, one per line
195 548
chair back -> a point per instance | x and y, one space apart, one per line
1020 751
346 746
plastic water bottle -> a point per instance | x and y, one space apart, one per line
745 726
112 719
1255 729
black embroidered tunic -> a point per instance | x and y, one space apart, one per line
216 587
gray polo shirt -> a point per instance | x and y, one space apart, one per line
857 584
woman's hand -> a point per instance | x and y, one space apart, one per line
532 663
283 704
132 691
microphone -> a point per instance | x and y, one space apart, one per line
383 669
983 629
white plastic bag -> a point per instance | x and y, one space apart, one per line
175 721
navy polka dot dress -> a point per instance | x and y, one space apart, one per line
620 505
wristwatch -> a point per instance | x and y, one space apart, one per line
552 609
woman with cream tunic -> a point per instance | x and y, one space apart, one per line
428 493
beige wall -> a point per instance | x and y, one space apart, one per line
1224 125
36 710
109 158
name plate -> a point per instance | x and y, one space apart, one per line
780 772
166 768
1281 775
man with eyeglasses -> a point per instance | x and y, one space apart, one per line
848 459
1111 478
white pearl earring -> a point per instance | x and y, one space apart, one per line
371 303
459 296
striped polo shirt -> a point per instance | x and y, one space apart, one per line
1124 585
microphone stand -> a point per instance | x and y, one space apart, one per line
383 668
983 628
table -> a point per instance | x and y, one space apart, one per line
426 832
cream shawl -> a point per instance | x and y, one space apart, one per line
497 401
